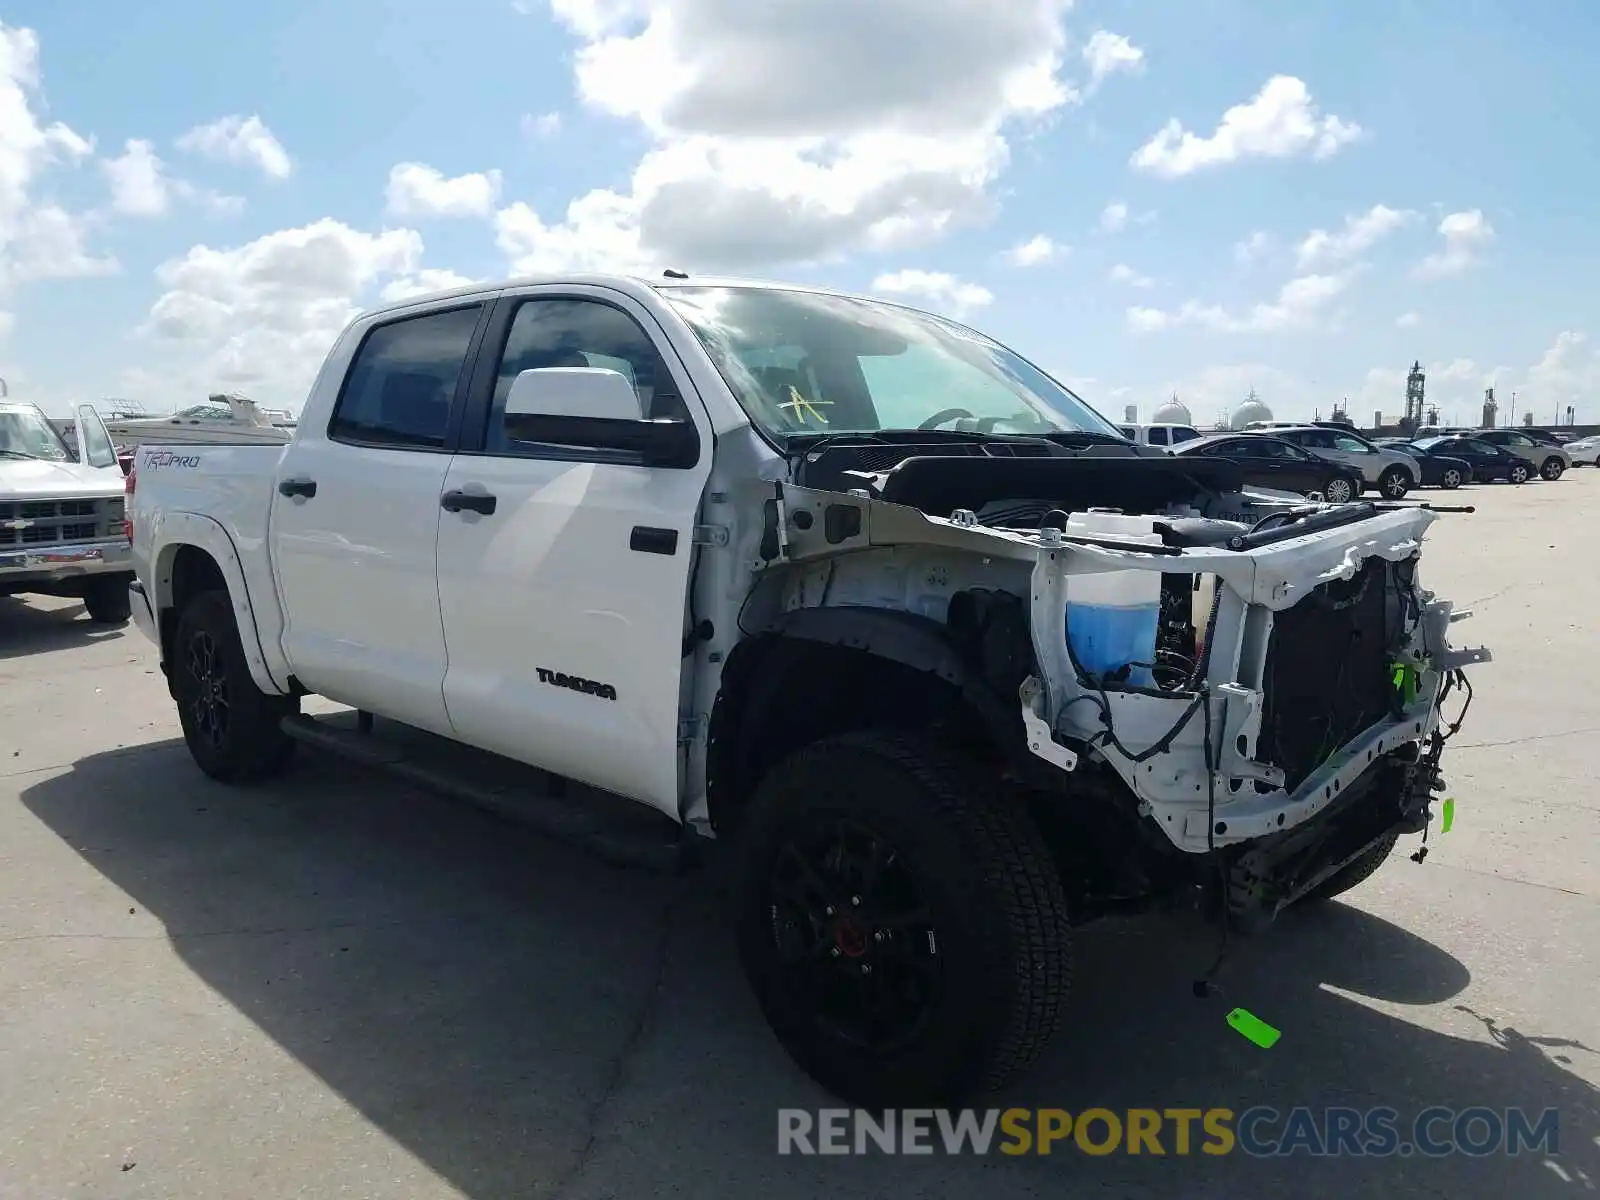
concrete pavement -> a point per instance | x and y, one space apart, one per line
334 986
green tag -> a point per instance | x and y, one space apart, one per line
1449 817
1405 682
1252 1028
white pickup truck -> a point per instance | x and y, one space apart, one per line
948 663
61 512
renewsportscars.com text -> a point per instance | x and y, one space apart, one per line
1260 1132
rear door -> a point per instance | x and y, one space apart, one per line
355 519
565 606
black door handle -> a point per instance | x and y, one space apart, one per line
297 487
478 502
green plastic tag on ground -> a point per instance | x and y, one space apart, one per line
1252 1028
1449 816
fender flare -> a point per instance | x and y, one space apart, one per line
211 537
907 639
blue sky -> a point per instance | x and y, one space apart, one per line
908 147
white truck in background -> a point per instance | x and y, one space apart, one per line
61 512
821 579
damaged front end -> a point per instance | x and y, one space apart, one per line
1291 718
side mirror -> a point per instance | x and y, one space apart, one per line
594 407
595 392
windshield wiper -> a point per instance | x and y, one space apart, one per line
24 454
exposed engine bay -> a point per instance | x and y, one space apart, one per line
1298 663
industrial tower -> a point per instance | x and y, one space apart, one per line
1416 382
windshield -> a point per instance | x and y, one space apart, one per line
808 363
25 432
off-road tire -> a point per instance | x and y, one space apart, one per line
1518 474
1355 872
1451 479
1552 469
106 600
250 744
999 935
1394 483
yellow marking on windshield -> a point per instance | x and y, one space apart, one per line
803 408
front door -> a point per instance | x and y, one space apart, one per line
564 607
355 514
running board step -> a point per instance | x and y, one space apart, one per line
612 828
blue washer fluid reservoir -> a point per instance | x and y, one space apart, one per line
1112 616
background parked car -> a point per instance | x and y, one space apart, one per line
1160 435
1549 461
1435 468
1392 473
1488 462
1271 462
1585 451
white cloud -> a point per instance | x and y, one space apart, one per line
141 187
261 316
946 293
1128 277
1466 235
1114 217
1408 320
1036 251
756 165
1255 247
1302 304
537 128
1361 232
425 281
1278 122
418 190
1108 53
37 241
238 139
138 187
53 244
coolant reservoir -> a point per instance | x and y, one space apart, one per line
1112 616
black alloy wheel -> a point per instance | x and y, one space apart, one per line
207 693
849 919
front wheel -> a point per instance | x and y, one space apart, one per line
1552 469
900 920
232 728
1394 483
1339 490
106 600
1355 872
1451 479
1518 474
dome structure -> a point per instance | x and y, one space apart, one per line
1253 409
1173 412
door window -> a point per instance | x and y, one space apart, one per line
1183 433
403 381
580 333
97 449
1351 445
1158 436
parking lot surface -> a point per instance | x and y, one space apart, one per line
336 986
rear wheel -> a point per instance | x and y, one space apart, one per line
232 728
1518 474
1340 490
1552 469
106 600
1394 483
1450 479
900 920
